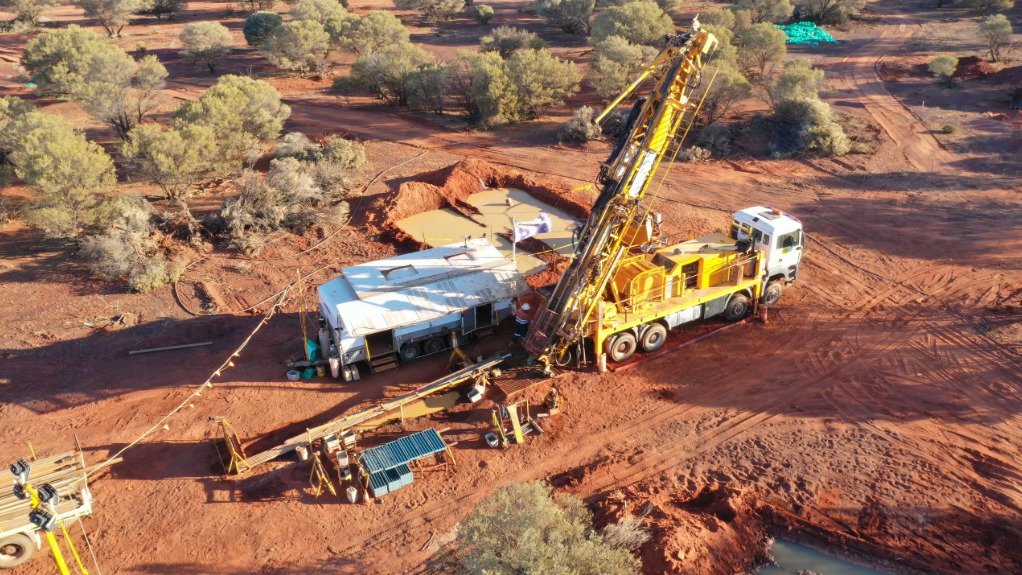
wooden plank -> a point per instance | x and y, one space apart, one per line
361 417
169 347
516 426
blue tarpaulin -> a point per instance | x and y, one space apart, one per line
806 34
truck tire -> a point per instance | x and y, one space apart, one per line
737 308
772 293
433 345
621 346
653 337
15 550
410 351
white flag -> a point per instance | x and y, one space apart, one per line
540 225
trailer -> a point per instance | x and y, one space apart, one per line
385 312
19 537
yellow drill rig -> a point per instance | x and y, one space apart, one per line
624 290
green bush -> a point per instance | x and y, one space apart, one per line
206 42
505 40
943 67
616 63
639 22
580 128
483 13
300 46
571 16
259 26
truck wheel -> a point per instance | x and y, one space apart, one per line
410 351
772 293
433 345
15 550
653 337
621 347
737 308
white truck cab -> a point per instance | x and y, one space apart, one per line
779 237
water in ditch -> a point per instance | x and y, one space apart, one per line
793 558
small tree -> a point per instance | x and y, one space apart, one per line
259 26
27 11
58 60
806 125
254 5
206 42
481 86
483 13
639 22
720 17
168 8
173 159
828 11
943 67
119 91
321 11
505 40
542 80
997 32
726 54
580 128
371 32
432 10
300 45
987 7
766 10
113 15
241 112
522 528
386 71
729 87
761 45
571 16
68 174
428 88
798 80
616 63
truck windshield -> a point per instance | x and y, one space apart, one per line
790 240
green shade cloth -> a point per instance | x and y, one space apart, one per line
806 34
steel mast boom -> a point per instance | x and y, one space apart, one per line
649 135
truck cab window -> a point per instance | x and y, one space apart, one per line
789 240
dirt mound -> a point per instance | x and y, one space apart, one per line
973 68
717 530
1011 76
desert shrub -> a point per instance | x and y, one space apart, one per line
571 16
428 88
693 154
668 6
616 63
580 128
375 30
113 15
522 528
949 129
728 88
798 80
174 159
726 54
806 125
206 42
718 17
259 26
482 88
57 60
717 138
255 5
385 72
26 12
997 32
987 7
542 81
297 145
768 11
639 22
761 45
300 46
119 91
241 112
168 8
828 11
628 533
505 40
347 154
69 176
321 11
127 250
483 13
943 67
432 10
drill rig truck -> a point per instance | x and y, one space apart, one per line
624 290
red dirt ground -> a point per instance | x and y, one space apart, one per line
878 410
